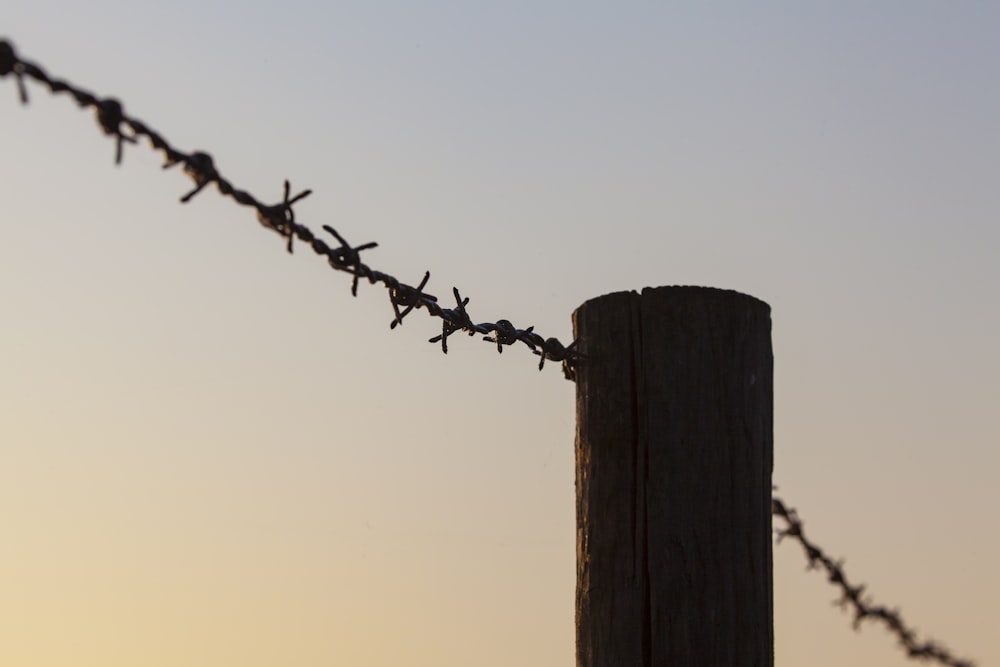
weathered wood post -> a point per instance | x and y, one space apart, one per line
673 480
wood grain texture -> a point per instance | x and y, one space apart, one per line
673 479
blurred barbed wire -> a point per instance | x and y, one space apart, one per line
404 298
852 597
280 218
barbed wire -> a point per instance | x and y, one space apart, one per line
853 596
280 218
404 298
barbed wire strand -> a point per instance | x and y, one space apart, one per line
853 596
280 218
404 298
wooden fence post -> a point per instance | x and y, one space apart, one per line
673 480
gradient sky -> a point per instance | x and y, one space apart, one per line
212 455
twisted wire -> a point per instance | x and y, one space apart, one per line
853 597
280 218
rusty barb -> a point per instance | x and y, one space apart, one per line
853 598
280 218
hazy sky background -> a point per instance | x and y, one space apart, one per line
212 455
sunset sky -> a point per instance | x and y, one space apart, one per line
212 455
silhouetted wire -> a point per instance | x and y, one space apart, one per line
852 597
200 168
405 298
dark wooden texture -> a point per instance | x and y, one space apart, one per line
673 480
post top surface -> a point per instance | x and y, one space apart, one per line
681 291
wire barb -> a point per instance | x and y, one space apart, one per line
348 258
453 319
11 64
408 297
110 117
505 333
281 217
555 351
200 167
